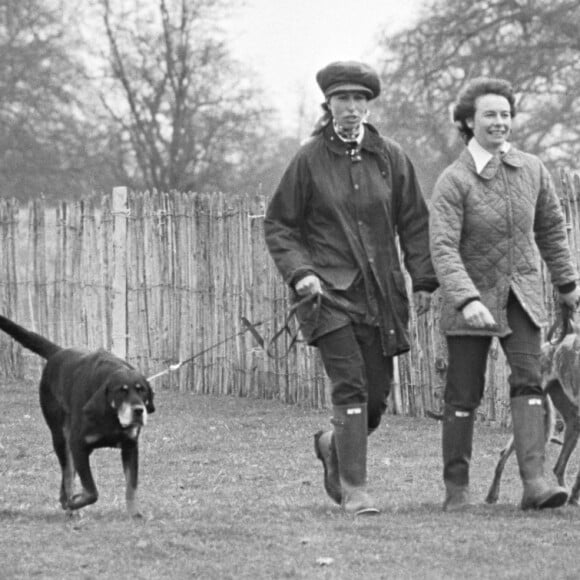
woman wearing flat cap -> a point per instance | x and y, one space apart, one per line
331 228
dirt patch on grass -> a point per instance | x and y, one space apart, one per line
230 488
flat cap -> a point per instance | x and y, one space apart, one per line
348 76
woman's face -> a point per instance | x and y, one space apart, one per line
492 122
348 109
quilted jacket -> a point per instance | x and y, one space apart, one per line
488 232
340 218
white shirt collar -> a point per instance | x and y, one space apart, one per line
482 156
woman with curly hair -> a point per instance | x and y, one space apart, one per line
494 213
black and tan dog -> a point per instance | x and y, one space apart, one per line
89 400
561 383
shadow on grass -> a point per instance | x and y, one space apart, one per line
26 515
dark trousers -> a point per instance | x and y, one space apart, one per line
468 361
359 371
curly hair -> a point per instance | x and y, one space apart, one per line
464 107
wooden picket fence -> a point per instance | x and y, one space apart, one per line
160 279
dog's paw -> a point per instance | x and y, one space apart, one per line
74 520
134 512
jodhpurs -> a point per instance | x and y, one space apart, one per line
358 370
468 361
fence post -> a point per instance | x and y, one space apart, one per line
120 213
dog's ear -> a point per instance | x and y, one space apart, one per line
149 406
97 405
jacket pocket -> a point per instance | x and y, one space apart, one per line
338 278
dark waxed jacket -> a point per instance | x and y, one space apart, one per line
339 218
488 232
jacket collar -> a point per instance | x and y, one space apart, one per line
371 140
482 156
513 158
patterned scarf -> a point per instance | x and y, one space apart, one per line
345 134
351 139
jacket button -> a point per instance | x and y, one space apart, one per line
356 185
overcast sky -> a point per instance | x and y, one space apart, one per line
288 41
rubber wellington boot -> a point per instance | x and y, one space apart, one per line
350 435
326 451
530 442
457 441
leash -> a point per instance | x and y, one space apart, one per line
252 329
564 322
177 366
317 299
285 328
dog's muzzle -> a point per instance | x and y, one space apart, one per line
132 415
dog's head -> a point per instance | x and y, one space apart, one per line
128 395
132 402
561 355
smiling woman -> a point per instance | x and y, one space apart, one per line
494 210
492 122
485 115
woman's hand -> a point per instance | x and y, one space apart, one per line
571 299
308 286
477 315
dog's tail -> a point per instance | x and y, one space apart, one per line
30 340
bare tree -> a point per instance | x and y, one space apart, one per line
533 43
44 144
188 114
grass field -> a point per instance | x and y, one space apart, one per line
231 489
